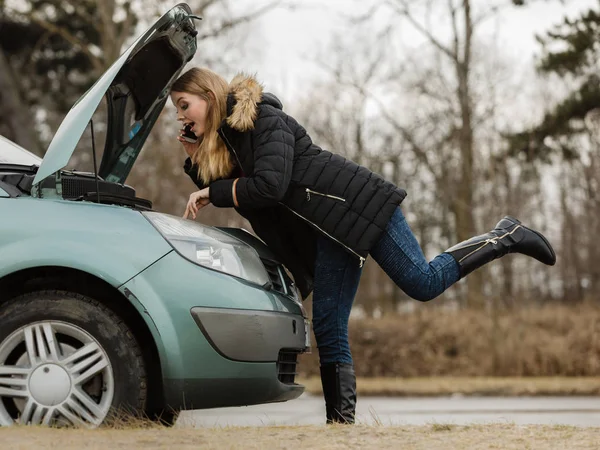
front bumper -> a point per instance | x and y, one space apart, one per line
254 337
223 392
250 335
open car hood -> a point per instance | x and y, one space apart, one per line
136 87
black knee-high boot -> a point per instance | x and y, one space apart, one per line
509 236
339 390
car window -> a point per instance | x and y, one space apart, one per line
11 153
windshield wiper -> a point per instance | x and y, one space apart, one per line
18 168
116 199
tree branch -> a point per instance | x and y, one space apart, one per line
238 20
454 26
205 5
82 14
466 60
125 29
490 12
403 9
419 152
357 20
426 89
96 63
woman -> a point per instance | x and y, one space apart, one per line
319 212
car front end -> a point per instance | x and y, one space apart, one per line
230 320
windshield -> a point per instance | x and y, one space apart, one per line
11 153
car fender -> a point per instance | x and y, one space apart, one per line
112 243
109 262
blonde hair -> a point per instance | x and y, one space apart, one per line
211 156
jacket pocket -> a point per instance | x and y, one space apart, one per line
310 192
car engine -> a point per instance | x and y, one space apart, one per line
71 185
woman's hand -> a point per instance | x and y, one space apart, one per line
197 201
189 147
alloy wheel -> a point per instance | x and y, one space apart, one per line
54 373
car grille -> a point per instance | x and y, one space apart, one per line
275 275
286 366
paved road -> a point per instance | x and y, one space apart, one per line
307 410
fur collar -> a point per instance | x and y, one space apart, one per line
247 94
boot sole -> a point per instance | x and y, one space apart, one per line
518 222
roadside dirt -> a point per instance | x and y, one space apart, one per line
435 436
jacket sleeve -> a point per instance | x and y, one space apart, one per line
192 171
273 143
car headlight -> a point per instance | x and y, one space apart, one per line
211 248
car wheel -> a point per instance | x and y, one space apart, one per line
66 359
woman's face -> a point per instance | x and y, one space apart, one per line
191 110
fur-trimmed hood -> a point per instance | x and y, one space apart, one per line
245 94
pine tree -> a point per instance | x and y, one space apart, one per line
571 49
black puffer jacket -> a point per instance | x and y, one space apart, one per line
290 190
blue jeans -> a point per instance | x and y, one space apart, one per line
337 274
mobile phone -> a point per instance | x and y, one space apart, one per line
188 135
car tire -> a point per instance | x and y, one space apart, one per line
67 359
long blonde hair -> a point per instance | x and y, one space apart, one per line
212 157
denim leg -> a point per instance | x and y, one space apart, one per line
337 274
400 256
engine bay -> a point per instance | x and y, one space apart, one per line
70 185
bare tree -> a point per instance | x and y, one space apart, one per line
13 117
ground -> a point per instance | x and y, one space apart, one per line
434 436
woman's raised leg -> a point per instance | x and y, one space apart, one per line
400 256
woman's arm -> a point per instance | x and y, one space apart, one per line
273 159
192 171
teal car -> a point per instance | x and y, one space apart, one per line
106 304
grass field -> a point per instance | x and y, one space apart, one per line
526 342
483 386
435 436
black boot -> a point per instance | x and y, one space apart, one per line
509 236
339 390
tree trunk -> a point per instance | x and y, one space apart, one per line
465 221
15 117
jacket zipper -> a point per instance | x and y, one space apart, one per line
230 147
360 258
310 191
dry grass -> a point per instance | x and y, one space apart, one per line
483 386
548 341
435 436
